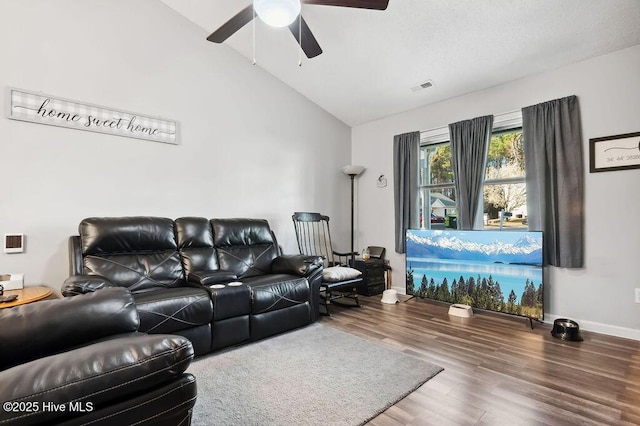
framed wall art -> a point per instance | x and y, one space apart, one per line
35 107
619 152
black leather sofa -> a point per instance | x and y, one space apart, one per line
172 269
81 360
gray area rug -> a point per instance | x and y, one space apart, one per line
316 375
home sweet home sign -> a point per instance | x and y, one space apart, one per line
44 109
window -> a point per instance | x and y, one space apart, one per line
438 206
504 193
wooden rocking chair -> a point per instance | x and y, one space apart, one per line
339 281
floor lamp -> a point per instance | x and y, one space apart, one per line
352 172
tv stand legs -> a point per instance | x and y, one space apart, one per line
531 320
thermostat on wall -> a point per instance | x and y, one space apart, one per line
13 243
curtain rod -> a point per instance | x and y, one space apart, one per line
444 130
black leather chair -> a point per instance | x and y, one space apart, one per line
282 294
141 254
81 360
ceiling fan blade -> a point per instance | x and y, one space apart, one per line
309 43
241 19
361 4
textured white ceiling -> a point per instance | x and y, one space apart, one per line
372 58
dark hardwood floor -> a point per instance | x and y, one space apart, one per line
497 370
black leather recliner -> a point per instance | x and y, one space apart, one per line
81 360
141 254
170 266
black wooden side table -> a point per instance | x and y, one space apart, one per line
373 274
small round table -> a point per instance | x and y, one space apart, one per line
26 295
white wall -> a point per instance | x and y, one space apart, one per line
251 146
600 296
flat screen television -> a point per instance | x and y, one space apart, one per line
493 270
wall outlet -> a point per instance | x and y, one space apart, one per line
637 295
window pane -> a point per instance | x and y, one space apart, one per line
505 158
435 164
508 200
505 193
440 205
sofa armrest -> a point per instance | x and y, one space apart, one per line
83 284
31 331
296 264
93 376
207 278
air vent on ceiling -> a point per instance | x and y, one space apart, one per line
424 85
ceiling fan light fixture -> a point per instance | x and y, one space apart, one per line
277 13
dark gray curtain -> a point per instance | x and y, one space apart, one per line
555 179
406 151
469 144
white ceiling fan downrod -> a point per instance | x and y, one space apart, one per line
300 40
253 28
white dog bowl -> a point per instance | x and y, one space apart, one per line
390 297
460 310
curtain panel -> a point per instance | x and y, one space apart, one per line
555 179
406 151
469 145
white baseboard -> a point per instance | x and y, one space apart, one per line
596 327
612 330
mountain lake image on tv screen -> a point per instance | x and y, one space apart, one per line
492 270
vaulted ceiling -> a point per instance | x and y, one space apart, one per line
373 61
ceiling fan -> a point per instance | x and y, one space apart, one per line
283 13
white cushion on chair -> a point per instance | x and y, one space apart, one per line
339 273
